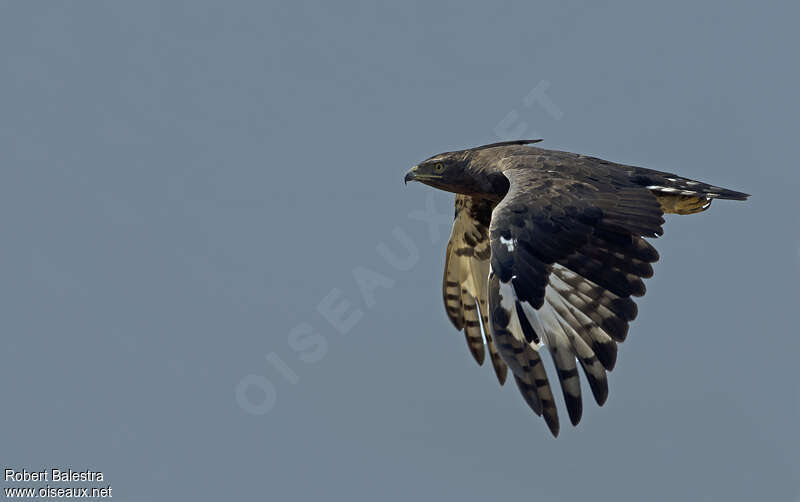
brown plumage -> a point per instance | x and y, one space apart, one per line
547 250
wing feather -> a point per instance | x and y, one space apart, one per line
480 276
568 255
466 279
521 356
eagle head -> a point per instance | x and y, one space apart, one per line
469 172
446 171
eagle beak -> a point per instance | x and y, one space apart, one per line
411 175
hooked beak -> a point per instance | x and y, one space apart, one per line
411 175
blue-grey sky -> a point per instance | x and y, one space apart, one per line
185 183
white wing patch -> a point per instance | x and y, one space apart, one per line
564 304
509 243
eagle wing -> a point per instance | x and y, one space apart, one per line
466 275
567 255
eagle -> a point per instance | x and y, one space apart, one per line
548 249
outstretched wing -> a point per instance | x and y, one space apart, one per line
567 254
466 273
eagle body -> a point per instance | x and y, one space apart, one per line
547 250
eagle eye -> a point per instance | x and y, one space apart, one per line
439 167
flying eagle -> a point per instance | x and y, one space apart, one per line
547 250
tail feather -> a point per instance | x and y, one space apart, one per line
679 195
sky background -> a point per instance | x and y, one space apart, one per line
184 183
